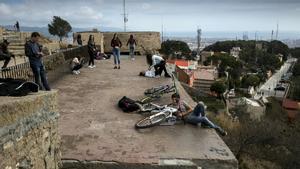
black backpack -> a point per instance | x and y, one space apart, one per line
17 87
128 105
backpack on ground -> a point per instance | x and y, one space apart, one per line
128 105
17 87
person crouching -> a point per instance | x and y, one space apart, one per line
76 65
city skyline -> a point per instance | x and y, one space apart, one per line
175 15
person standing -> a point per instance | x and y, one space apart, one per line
131 43
17 26
79 40
5 54
33 52
92 51
116 44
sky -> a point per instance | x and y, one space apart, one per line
150 15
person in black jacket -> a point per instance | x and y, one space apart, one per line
92 51
5 54
33 52
79 40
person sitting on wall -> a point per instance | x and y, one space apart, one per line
76 65
158 63
196 116
5 54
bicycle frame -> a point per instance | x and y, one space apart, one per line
164 115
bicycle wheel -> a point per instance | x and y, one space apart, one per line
146 100
150 121
154 90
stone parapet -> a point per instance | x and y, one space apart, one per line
29 131
149 40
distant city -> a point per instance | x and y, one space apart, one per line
290 38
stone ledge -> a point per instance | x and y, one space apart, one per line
22 127
223 158
13 109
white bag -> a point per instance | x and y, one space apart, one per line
149 73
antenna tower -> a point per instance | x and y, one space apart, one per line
125 15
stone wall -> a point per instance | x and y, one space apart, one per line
1 33
29 132
150 40
57 65
98 38
52 47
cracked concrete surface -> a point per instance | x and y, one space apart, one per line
92 127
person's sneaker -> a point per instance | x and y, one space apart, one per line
132 58
221 131
78 71
75 72
94 66
167 75
90 66
119 67
115 67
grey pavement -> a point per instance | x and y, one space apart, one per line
92 127
268 87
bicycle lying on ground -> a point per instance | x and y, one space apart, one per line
156 92
163 89
159 115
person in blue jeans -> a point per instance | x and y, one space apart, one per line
116 44
132 44
196 116
33 52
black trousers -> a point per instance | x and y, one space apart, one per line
92 58
6 58
77 67
160 67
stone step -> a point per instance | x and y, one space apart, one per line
11 36
9 33
17 44
12 47
15 41
18 53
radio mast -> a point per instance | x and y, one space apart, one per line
277 31
125 15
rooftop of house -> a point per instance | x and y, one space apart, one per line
204 74
290 104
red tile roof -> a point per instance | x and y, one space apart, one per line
290 104
183 63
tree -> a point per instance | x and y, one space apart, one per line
276 47
296 69
250 80
169 47
295 52
218 87
59 27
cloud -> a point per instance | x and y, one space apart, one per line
146 6
150 14
40 13
4 9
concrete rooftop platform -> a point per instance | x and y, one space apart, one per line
93 128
